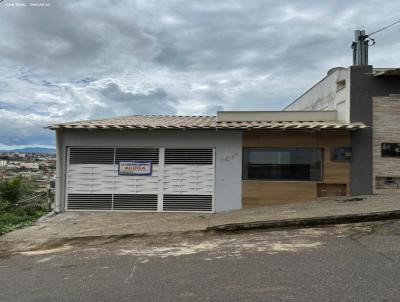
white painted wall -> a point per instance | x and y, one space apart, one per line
325 96
227 144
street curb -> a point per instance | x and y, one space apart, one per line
307 222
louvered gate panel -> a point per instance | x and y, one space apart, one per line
151 154
90 178
188 180
182 181
138 202
189 156
89 201
91 156
195 203
93 182
138 184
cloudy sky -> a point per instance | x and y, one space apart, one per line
72 60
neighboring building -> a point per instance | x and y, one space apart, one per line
202 164
3 163
371 96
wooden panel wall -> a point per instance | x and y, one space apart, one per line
264 193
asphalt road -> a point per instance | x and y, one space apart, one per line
341 263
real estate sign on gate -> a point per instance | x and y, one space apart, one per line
135 168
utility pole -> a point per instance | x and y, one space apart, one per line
360 48
362 42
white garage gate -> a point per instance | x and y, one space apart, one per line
182 179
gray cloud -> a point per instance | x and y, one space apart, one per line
138 103
92 59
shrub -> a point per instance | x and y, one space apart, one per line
15 189
21 216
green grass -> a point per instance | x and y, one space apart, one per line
21 216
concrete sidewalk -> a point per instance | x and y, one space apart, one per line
385 204
80 225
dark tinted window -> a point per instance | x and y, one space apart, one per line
390 150
282 164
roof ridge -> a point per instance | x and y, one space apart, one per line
135 115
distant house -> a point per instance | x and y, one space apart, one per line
29 165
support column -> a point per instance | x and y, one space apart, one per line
161 180
59 174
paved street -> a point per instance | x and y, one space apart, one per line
341 263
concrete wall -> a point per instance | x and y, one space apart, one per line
325 95
228 145
386 129
361 140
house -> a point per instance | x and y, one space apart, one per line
202 163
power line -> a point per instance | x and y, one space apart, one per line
383 28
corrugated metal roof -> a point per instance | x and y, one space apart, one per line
197 122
